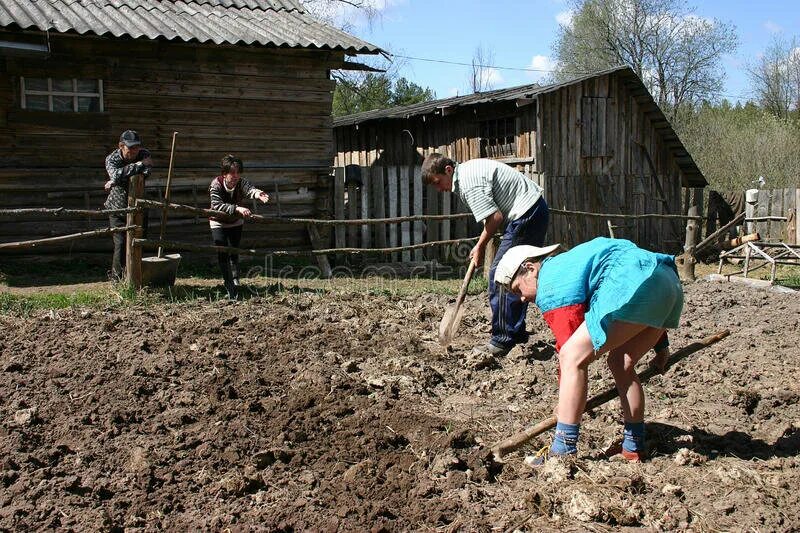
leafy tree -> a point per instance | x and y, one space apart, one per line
676 53
734 145
365 92
407 93
776 77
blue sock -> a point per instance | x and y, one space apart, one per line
633 437
565 440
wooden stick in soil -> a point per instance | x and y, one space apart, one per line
516 441
166 195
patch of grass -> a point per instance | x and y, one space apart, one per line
25 305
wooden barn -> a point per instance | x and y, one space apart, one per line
248 77
596 144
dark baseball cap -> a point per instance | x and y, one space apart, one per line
130 138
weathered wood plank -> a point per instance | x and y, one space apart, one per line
338 199
405 210
418 225
393 191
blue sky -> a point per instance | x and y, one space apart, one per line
520 34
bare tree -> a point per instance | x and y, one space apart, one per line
335 12
676 53
482 70
776 77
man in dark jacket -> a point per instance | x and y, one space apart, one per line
126 161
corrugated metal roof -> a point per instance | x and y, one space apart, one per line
251 22
425 108
683 158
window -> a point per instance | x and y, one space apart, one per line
62 95
498 137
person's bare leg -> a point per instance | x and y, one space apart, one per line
574 359
622 362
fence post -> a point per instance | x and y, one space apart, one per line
751 199
133 254
797 215
687 261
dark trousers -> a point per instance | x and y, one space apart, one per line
118 259
508 311
228 263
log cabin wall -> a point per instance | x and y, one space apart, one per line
271 107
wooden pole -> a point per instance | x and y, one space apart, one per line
166 194
62 238
133 254
715 236
688 260
259 219
176 245
797 216
516 441
61 212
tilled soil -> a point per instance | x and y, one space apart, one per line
331 411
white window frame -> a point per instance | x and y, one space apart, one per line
50 93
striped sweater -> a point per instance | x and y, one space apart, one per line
487 186
226 200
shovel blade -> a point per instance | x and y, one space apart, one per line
449 324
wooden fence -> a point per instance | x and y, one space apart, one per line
397 191
774 215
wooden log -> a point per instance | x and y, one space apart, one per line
714 237
62 238
518 440
568 212
133 254
797 216
185 246
688 260
260 219
738 241
60 212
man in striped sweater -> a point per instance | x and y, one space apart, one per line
497 195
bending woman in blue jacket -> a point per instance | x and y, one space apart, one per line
603 297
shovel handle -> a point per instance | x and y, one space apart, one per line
462 293
166 194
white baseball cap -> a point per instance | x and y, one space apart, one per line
514 257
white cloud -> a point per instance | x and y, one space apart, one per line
453 91
564 18
773 27
493 77
543 66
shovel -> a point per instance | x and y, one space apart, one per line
162 269
454 312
